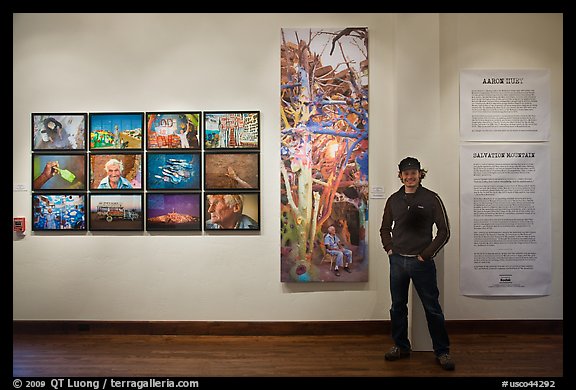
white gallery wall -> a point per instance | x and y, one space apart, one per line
203 62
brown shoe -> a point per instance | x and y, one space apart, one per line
396 353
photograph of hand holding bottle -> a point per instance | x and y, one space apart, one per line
59 172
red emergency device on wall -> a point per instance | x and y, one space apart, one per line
19 224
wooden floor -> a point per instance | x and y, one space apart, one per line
476 355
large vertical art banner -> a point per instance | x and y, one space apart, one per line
324 154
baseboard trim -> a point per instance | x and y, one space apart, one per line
273 328
220 328
505 326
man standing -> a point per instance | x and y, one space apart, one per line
184 144
51 221
406 233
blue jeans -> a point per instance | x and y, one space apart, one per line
423 275
340 253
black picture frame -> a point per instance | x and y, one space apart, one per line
216 219
232 171
116 131
58 172
165 129
173 171
174 211
231 130
59 131
116 211
130 165
67 212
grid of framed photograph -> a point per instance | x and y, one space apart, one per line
58 173
158 171
231 170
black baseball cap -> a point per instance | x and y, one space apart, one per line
409 163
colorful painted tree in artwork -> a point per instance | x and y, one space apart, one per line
324 151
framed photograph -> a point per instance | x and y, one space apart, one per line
173 130
232 130
61 212
232 171
232 211
65 172
116 212
113 172
174 211
116 130
173 171
59 131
